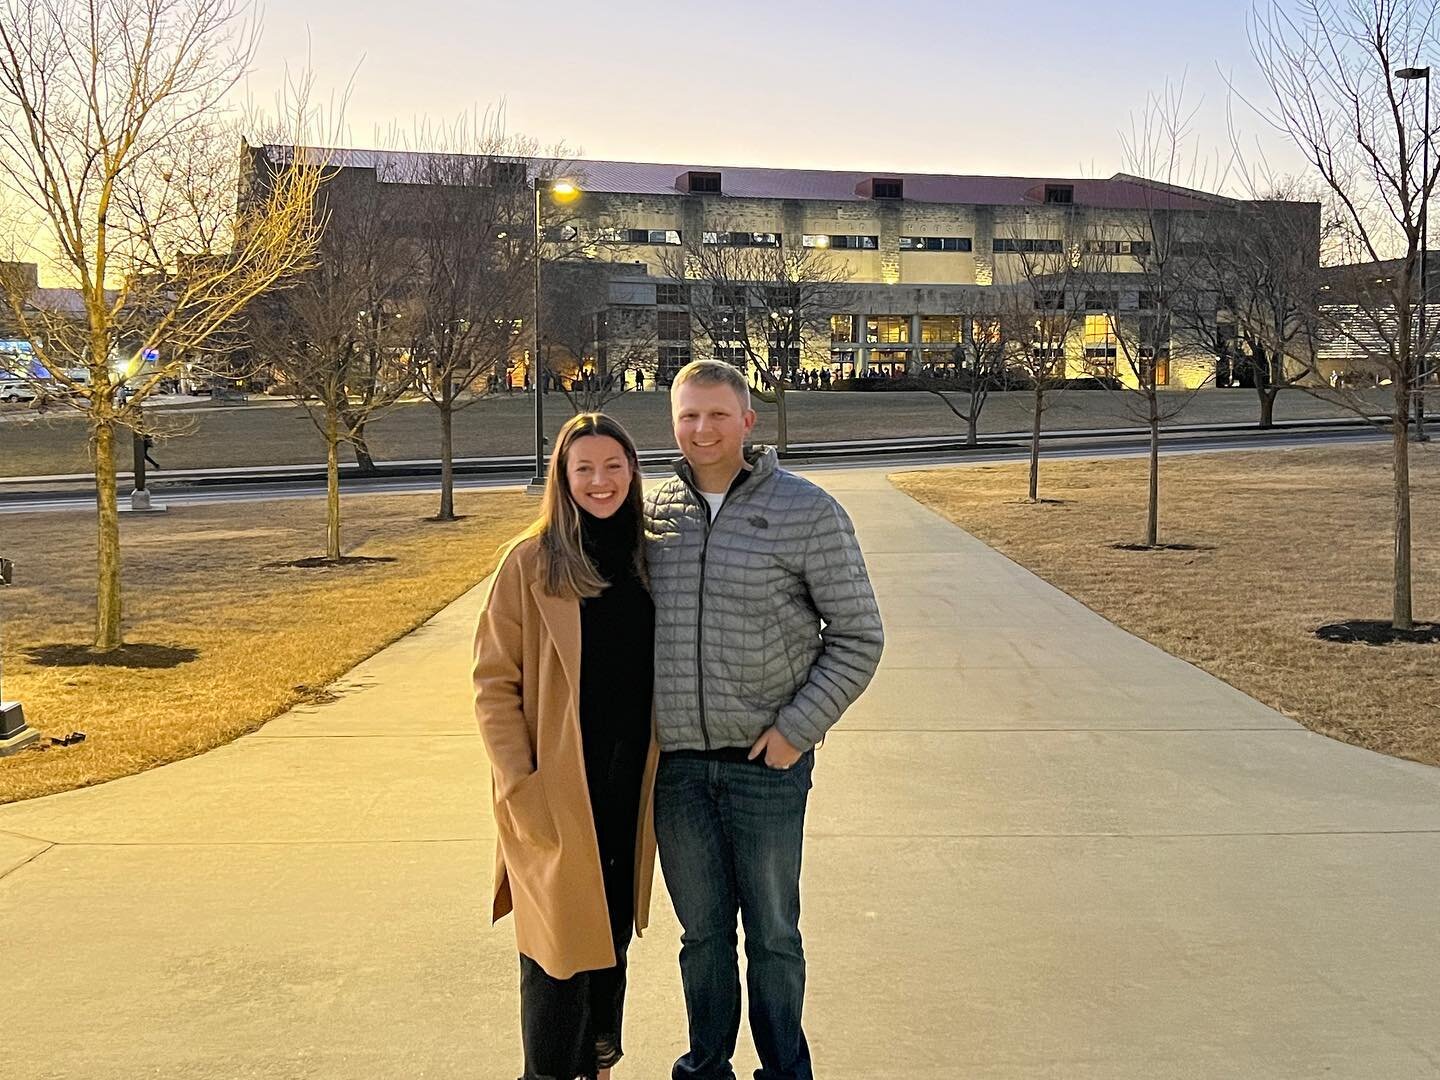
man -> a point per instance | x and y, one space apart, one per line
766 631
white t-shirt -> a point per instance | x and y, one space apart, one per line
716 499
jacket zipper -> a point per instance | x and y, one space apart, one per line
700 611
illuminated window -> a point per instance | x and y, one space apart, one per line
986 331
842 242
939 329
1014 244
637 236
1099 338
672 359
935 243
842 329
741 239
887 329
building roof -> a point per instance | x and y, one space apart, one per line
1121 191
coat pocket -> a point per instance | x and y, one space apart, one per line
529 811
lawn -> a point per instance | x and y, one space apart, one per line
271 433
1286 541
232 634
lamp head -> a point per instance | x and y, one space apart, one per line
1413 73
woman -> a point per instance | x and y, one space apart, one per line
564 666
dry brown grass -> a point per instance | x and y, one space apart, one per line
1288 541
208 579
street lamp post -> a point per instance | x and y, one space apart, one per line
561 191
15 734
1422 364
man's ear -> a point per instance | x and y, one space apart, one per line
749 421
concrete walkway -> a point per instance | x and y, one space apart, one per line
1038 848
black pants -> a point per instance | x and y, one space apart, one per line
571 1027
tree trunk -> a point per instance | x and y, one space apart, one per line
1035 446
355 430
108 630
782 426
447 457
972 428
1268 395
332 486
1401 613
1152 515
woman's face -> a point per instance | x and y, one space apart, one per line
598 473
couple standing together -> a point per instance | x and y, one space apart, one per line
663 669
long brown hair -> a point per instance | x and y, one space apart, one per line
568 570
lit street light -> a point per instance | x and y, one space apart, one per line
562 191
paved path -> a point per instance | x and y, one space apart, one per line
1038 848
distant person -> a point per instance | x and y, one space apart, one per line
639 379
564 662
766 631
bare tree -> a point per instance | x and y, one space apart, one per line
1332 71
1153 365
113 142
759 304
1257 267
474 230
593 347
1043 321
337 336
979 356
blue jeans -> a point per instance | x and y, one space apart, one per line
730 836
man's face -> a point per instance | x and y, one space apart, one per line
711 425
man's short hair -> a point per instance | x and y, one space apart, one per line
713 373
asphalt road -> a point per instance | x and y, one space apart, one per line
1102 446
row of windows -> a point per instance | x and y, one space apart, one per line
855 242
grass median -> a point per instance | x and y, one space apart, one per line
1284 543
223 632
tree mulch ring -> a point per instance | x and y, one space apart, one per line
158 657
1162 547
438 520
1042 502
1378 632
320 562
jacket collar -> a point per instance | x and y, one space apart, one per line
762 461
562 619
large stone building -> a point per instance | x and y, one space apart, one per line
914 255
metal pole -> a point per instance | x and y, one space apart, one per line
1422 367
537 371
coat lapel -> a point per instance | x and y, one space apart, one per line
562 621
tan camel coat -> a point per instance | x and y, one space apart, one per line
527 693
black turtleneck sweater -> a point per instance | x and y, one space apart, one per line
617 675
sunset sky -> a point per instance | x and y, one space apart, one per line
1039 89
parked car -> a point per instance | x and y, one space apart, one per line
12 390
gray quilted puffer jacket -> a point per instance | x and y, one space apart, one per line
765 617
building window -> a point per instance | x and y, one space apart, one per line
702 183
1138 248
674 325
784 358
935 243
842 329
672 359
842 242
741 239
730 296
1059 193
1003 244
887 329
1050 300
672 295
888 189
732 354
1100 338
1101 301
939 329
731 326
782 297
637 236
